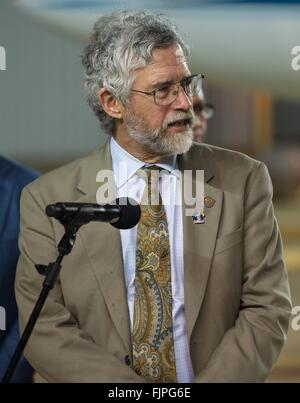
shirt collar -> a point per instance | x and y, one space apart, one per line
126 165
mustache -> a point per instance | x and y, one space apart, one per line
178 116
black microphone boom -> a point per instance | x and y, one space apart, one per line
124 213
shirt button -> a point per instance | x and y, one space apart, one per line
127 360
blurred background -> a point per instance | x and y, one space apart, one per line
247 51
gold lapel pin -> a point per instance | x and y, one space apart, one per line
209 201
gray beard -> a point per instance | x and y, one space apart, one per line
157 141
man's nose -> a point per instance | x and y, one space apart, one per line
182 101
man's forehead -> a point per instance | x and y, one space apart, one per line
163 72
172 56
165 62
175 63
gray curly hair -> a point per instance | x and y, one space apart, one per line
122 42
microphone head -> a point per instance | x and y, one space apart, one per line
130 213
51 210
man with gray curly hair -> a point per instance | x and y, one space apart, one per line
176 298
123 44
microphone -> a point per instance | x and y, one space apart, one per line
124 213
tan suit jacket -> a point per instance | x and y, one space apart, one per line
237 300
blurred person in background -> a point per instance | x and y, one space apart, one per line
203 111
13 178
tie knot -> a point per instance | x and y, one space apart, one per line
151 176
146 170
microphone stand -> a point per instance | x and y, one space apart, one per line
51 273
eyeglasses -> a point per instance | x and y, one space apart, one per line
167 94
204 109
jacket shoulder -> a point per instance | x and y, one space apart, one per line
62 181
224 162
227 169
218 155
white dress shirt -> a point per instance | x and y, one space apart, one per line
129 184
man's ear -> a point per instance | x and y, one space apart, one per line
110 104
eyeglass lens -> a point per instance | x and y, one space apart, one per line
168 93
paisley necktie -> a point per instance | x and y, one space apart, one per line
153 345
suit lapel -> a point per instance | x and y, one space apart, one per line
199 239
102 244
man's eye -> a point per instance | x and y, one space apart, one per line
164 89
163 92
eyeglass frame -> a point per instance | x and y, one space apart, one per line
178 84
